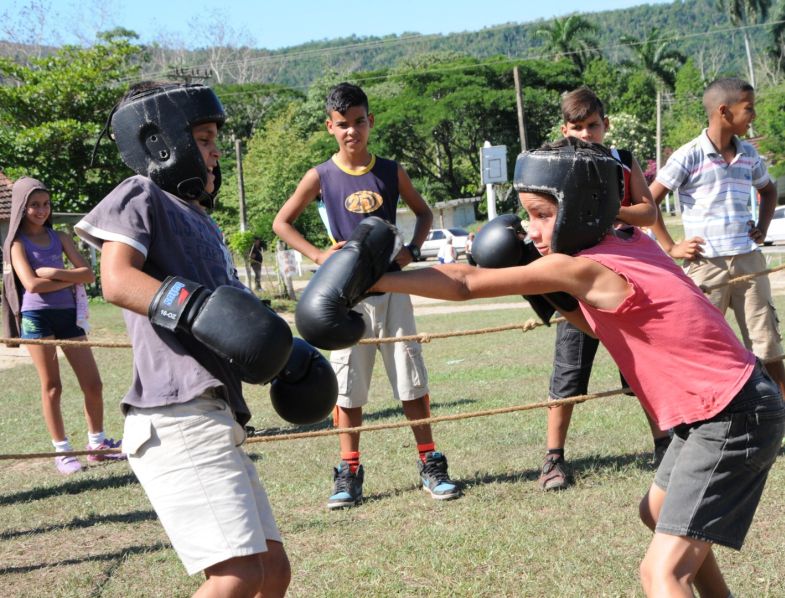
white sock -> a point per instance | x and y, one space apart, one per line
96 439
62 446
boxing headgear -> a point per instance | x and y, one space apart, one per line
586 181
153 131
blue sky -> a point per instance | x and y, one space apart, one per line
272 23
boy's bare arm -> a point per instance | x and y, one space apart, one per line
768 201
690 249
283 225
122 280
658 192
585 279
643 211
422 213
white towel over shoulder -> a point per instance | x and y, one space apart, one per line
82 308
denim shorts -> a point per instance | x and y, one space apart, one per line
573 358
714 470
43 323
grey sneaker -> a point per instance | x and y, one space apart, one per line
435 479
554 473
348 490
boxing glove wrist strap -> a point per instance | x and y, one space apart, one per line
175 300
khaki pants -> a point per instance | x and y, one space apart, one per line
750 301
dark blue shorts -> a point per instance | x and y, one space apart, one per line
714 470
573 359
43 323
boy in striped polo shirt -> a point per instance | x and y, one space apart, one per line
714 174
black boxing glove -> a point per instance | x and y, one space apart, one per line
324 315
229 321
305 390
502 243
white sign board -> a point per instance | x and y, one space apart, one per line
494 164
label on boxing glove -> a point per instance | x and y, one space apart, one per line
171 302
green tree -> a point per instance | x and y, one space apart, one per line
742 13
51 112
630 93
771 125
569 38
659 62
249 106
656 57
627 132
443 111
776 49
687 117
278 156
437 124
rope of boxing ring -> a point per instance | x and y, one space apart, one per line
426 337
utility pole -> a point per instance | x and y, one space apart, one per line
240 185
658 144
519 100
238 153
491 194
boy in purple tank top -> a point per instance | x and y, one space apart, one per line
355 184
47 310
727 415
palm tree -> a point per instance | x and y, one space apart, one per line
777 48
571 37
661 63
743 13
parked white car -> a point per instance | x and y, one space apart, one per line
438 237
776 230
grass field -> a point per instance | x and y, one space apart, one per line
95 534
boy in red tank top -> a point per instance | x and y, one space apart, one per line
727 415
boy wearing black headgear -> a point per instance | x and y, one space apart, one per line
727 415
195 338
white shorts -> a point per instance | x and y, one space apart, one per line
203 487
387 315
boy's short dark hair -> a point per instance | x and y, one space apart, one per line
344 96
724 91
579 104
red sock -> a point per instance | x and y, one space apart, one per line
424 449
353 459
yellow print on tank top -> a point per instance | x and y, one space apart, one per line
363 202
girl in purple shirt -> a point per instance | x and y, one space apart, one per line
46 309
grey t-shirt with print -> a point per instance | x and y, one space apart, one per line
176 238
